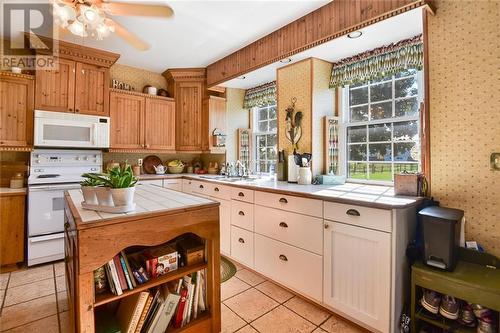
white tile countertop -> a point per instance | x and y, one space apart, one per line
12 191
352 193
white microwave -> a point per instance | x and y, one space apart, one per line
59 129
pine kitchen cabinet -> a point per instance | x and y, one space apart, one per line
188 88
141 122
12 208
16 111
75 87
216 108
80 84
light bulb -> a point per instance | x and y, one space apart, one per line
77 28
64 14
90 15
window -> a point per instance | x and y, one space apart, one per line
382 126
265 137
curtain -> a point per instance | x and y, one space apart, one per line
379 62
260 95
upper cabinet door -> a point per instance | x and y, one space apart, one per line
91 90
189 115
159 124
126 112
55 89
16 111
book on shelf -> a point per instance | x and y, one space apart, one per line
130 310
121 273
170 304
114 277
144 313
129 269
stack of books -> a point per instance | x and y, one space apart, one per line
173 304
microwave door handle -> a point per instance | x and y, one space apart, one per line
94 134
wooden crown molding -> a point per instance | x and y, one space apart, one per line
15 75
136 93
185 74
77 52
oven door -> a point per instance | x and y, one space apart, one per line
46 208
50 132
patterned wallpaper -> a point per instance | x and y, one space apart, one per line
464 54
137 77
295 81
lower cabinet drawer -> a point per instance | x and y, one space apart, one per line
242 194
312 207
173 184
45 248
242 246
298 269
242 214
305 232
373 218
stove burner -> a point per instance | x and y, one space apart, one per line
49 176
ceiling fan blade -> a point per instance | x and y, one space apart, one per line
128 36
128 9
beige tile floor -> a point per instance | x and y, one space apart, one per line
34 300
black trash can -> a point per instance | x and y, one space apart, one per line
441 236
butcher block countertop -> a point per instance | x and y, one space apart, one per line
150 201
375 196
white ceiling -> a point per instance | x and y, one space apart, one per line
200 32
385 32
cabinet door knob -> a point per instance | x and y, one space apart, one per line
352 212
77 110
71 109
283 257
242 213
201 186
241 240
283 200
327 226
66 225
283 225
241 194
216 189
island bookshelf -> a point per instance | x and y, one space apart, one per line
90 244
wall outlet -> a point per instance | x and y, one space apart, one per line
495 161
139 161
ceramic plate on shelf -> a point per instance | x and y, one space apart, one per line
150 162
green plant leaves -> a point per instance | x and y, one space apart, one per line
115 178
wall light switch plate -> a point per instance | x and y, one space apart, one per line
495 161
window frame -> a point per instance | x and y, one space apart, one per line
345 114
256 133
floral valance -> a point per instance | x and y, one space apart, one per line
260 95
382 61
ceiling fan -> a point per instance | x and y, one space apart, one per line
93 18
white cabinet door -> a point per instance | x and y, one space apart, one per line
225 226
357 265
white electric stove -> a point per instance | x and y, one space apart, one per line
51 173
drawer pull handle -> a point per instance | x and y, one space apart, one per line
283 257
283 200
241 194
242 213
201 186
352 212
216 189
241 240
283 225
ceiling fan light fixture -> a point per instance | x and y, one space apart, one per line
77 28
103 31
63 14
90 15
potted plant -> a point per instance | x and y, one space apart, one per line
89 185
102 192
121 182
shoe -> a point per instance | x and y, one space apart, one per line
480 311
466 316
430 301
487 324
449 307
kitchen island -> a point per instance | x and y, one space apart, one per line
93 238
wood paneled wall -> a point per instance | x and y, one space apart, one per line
333 20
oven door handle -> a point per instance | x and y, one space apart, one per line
53 188
45 238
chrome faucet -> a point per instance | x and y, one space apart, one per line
242 170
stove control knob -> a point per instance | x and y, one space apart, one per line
78 158
38 161
86 158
